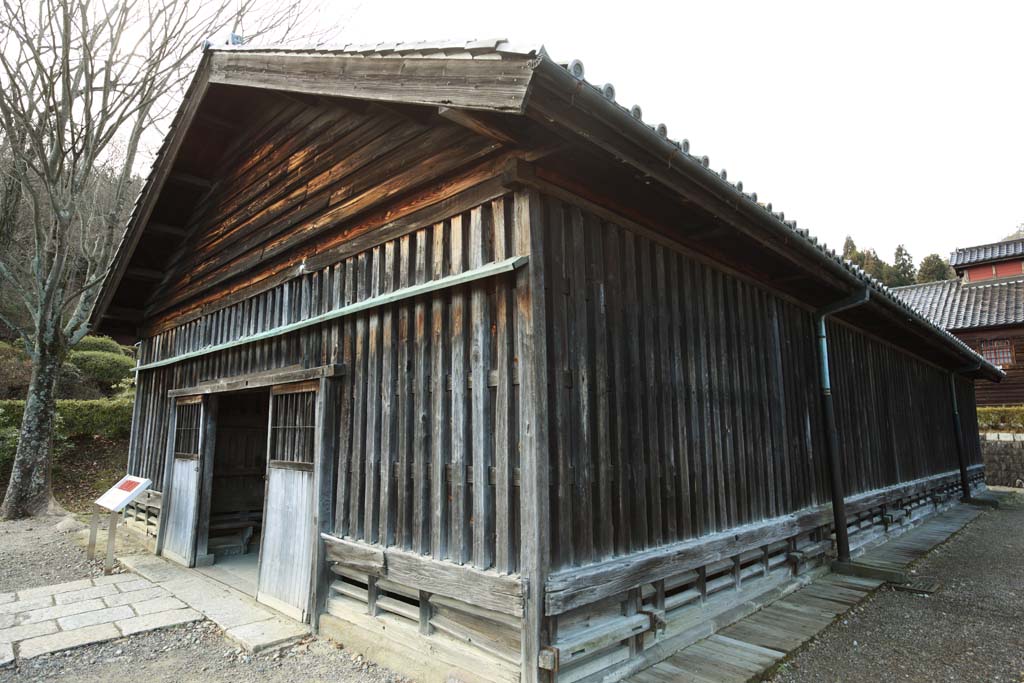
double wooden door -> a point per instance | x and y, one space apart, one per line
286 554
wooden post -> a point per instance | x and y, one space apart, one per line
168 493
531 349
324 455
94 529
108 564
425 613
205 489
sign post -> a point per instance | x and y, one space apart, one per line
114 500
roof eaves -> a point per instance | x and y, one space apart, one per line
679 159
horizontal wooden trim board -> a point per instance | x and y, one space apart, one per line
290 465
499 592
489 270
571 588
258 380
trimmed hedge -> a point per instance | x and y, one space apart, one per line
110 418
102 367
91 343
1003 419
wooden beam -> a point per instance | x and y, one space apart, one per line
123 313
476 123
487 589
325 449
499 85
190 179
215 121
531 350
578 586
146 274
166 230
462 278
258 380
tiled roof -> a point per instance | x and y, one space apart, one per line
987 252
658 135
957 306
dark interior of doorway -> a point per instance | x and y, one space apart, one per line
238 488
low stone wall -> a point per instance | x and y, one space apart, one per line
1003 454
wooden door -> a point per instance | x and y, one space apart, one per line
182 482
286 551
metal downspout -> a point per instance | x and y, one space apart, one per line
835 466
958 432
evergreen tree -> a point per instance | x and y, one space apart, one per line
934 268
850 252
903 270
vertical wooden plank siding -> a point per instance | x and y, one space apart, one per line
405 476
705 394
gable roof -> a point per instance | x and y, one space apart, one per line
498 76
958 306
985 253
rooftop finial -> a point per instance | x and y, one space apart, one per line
608 90
576 69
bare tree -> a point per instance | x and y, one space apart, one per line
81 81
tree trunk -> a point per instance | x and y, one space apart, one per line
28 492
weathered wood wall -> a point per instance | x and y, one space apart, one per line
426 462
428 458
684 400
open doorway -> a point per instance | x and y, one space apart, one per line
237 489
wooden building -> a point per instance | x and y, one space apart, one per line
983 307
535 393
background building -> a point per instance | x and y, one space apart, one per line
984 307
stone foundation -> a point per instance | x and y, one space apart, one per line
1003 454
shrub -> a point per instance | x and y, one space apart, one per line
103 367
110 418
73 384
8 447
106 344
1005 419
15 371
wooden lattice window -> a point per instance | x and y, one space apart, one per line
997 351
293 425
186 429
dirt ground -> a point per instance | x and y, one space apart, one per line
33 552
972 629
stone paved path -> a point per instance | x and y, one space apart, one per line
157 593
47 619
253 626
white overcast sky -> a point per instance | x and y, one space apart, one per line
893 122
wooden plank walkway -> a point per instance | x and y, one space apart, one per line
744 650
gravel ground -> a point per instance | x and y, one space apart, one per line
197 652
33 552
970 630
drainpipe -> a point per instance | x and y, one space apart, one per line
831 437
958 431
